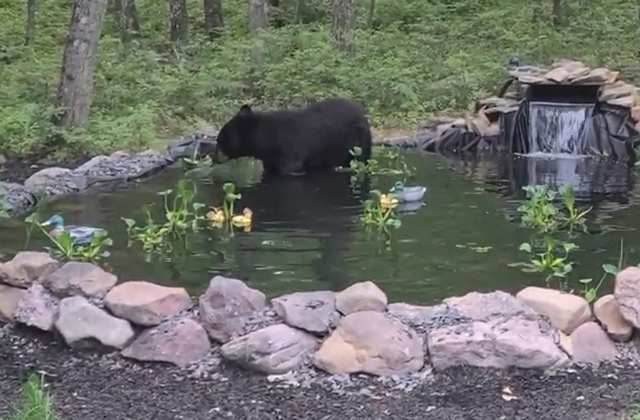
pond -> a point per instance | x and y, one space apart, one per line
306 233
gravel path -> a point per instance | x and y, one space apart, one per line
94 386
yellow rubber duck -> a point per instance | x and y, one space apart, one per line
244 219
388 202
216 215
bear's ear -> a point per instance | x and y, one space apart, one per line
245 110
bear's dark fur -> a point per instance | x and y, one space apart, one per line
288 142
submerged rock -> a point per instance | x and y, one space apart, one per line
310 311
363 296
79 320
17 197
179 342
38 308
25 268
592 345
607 311
276 349
227 305
145 303
373 343
627 294
9 298
500 332
80 278
566 311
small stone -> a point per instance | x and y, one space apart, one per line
119 154
565 343
38 308
310 311
558 75
372 343
566 311
179 342
608 313
413 313
635 113
91 164
80 278
363 296
25 268
79 320
276 349
9 298
145 303
627 294
226 306
592 345
40 179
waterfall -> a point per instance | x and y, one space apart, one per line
557 127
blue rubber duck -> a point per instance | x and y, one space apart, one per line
79 234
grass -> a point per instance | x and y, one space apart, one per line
35 404
418 58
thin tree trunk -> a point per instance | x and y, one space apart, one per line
125 16
372 12
179 20
556 16
258 20
75 90
213 21
31 22
343 23
299 8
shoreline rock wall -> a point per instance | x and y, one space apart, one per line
354 330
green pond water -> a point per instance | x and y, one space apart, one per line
306 234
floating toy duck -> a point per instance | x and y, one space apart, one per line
244 219
407 194
387 201
78 234
216 215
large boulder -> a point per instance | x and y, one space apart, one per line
276 349
592 345
493 330
25 268
79 321
227 306
80 278
627 294
311 311
363 296
607 310
179 342
566 311
371 342
38 308
9 299
145 303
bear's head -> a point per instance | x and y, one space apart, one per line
235 140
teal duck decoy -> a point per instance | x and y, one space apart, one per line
79 234
407 194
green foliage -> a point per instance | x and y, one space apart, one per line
549 260
417 58
385 160
540 213
36 403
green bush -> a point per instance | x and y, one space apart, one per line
418 57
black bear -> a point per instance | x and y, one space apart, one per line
292 142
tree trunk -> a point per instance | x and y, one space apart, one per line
343 23
557 12
258 20
213 22
179 20
125 16
372 12
75 90
31 22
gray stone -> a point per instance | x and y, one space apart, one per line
179 342
363 296
226 306
276 349
9 299
80 278
500 331
413 313
93 162
17 197
627 294
44 177
566 311
310 311
38 308
145 303
373 343
79 320
607 311
25 268
592 345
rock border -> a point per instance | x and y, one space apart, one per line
347 332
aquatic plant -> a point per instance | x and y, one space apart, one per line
574 218
182 212
539 212
591 293
196 161
548 260
151 235
219 215
397 165
379 211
